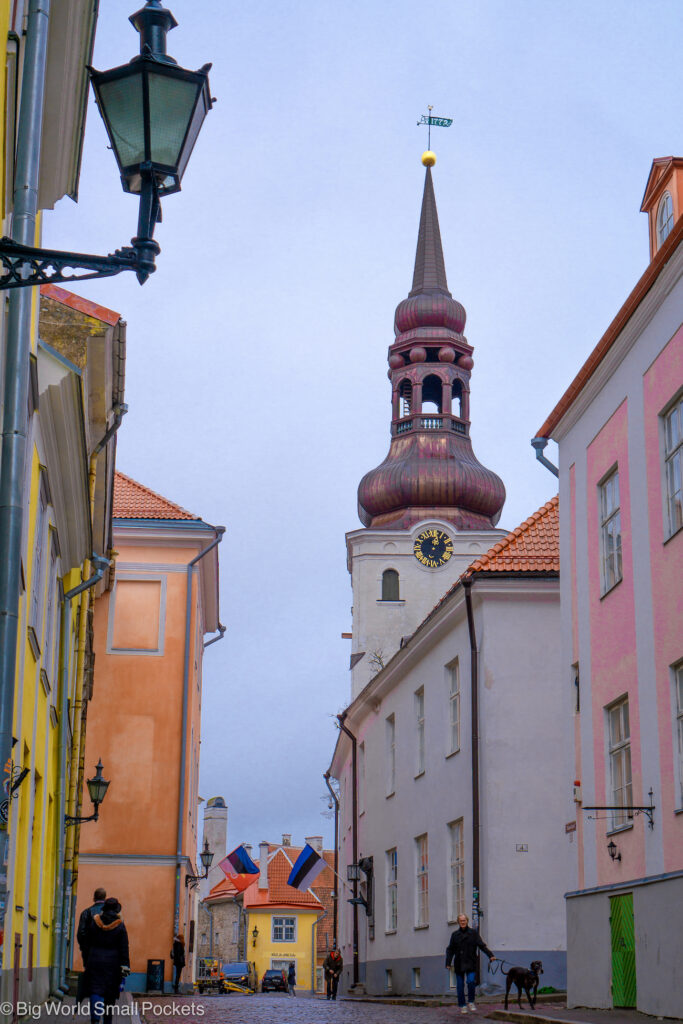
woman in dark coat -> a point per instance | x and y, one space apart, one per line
108 959
178 958
291 979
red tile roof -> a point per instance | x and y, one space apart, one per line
107 316
532 547
135 501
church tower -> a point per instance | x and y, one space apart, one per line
430 507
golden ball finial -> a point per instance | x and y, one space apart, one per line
428 158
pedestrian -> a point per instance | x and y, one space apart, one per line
178 959
99 896
291 979
462 952
332 967
108 960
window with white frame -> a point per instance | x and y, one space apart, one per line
619 735
391 858
361 778
284 929
678 683
419 731
665 217
456 869
610 532
390 732
453 675
673 466
51 646
421 882
38 568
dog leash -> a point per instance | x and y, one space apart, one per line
498 965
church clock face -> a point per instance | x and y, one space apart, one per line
433 548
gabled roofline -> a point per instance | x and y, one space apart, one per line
77 302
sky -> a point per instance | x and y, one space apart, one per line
256 372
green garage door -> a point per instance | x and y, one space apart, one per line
623 950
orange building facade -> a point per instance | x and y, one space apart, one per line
144 720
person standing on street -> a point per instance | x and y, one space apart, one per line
84 921
291 979
462 952
108 960
332 967
178 958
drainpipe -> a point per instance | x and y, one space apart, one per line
16 383
314 951
539 443
334 796
220 530
59 921
209 911
354 836
221 634
474 676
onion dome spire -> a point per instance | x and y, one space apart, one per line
431 469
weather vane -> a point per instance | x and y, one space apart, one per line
441 122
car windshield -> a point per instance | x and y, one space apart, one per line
243 968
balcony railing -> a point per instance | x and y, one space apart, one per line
444 422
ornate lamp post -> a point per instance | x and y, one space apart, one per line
153 111
206 856
97 788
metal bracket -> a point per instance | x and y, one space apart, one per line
24 266
632 809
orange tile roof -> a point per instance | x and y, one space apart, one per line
107 316
278 892
135 501
532 547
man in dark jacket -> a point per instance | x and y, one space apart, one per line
99 896
108 960
462 952
332 966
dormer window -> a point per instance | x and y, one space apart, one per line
665 217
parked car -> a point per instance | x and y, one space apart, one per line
274 980
241 972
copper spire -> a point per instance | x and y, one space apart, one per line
430 269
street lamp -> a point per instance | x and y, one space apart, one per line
97 788
206 857
254 936
153 111
612 850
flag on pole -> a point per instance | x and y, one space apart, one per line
308 866
239 868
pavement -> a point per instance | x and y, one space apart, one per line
278 1008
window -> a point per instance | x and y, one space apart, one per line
620 762
420 730
417 983
453 673
391 858
421 882
391 754
576 682
37 572
456 870
390 585
388 979
284 929
235 931
51 648
673 466
610 532
665 217
678 677
361 778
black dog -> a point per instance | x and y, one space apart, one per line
523 978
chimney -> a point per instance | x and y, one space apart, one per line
316 842
263 864
286 838
216 834
247 847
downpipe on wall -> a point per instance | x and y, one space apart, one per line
539 445
335 798
354 835
476 824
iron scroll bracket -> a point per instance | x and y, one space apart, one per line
631 809
24 266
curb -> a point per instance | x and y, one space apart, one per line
529 1018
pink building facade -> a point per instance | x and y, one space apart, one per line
619 428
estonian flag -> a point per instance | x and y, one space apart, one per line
239 868
308 866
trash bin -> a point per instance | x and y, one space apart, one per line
155 976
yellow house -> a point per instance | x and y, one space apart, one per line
281 921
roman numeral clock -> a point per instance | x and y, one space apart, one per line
433 548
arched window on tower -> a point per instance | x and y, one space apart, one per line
390 590
456 401
431 395
405 398
665 217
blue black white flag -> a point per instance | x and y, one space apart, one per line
308 866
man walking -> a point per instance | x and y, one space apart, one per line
291 979
84 921
332 967
462 952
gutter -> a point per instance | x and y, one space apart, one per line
539 444
314 951
476 826
220 530
354 835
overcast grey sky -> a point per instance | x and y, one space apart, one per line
256 371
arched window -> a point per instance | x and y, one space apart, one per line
456 401
431 395
665 217
390 585
405 395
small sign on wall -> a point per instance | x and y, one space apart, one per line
570 826
522 847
